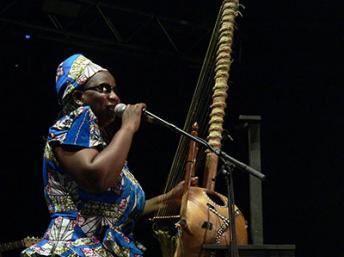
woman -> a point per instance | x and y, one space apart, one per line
92 197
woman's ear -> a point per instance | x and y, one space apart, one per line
77 97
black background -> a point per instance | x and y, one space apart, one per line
287 68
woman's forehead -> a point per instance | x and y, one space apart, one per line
101 77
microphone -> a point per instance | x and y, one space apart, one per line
119 109
149 117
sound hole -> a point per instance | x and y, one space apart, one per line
215 198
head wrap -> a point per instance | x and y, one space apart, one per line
72 73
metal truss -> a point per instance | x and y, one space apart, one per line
107 26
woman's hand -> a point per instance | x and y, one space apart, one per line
173 198
131 118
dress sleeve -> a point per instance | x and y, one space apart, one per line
79 128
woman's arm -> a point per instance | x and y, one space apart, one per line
170 200
94 170
154 204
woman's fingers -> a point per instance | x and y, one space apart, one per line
132 115
194 181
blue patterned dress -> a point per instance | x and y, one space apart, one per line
82 223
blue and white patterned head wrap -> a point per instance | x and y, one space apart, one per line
72 73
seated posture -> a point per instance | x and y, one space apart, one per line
92 197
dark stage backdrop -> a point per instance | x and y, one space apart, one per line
287 68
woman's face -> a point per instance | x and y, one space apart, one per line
99 94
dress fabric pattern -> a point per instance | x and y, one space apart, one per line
82 223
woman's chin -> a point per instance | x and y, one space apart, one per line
110 120
106 121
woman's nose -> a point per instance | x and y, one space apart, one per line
114 96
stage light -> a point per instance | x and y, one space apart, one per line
27 36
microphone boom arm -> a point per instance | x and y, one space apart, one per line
217 151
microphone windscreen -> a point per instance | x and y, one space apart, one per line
119 109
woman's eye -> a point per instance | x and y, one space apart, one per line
108 88
103 89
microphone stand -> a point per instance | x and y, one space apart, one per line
227 168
